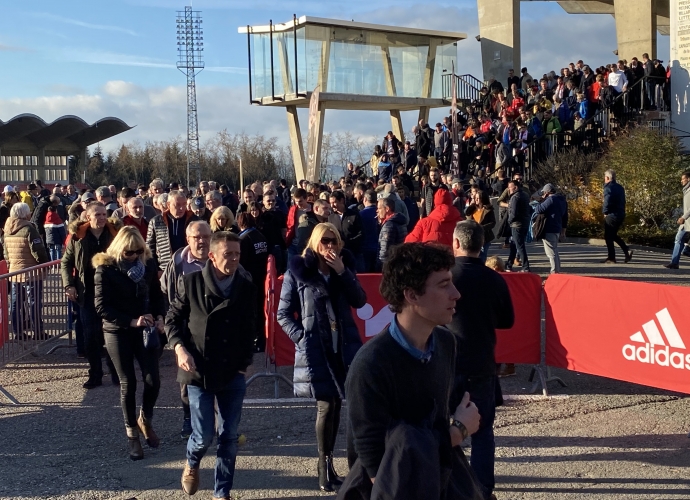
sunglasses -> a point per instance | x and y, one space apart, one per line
129 253
329 241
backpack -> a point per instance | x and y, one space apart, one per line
537 225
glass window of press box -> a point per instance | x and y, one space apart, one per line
351 61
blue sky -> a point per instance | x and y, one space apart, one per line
97 58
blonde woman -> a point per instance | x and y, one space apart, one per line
223 220
322 288
128 298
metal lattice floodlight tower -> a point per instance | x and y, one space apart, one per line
190 47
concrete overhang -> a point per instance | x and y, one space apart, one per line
67 134
663 21
332 100
380 28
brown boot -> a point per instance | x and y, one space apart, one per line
190 479
508 370
136 452
146 429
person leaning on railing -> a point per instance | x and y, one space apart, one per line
24 248
129 299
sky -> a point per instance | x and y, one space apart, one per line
98 58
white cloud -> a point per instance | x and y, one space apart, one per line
119 88
82 24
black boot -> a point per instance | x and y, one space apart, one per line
324 483
332 476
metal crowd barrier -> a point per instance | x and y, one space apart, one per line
34 311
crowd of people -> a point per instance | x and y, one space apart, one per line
146 266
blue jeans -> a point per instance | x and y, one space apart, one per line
26 308
678 246
55 251
517 247
483 394
201 403
485 252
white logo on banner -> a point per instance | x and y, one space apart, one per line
374 324
655 350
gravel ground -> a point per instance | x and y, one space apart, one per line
596 437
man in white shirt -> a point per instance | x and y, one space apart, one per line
617 78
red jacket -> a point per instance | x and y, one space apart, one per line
440 224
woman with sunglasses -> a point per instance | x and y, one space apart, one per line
321 287
128 298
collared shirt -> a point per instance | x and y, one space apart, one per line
423 356
190 263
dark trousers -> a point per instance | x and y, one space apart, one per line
517 247
124 347
611 226
76 325
369 258
92 325
483 394
327 424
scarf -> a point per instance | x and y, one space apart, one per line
134 270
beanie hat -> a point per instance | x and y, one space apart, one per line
53 219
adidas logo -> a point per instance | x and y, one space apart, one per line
655 350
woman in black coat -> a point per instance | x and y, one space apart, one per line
321 287
128 298
254 259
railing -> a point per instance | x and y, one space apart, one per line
467 87
627 108
34 310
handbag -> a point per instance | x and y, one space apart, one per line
151 338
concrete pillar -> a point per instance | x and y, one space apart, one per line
396 125
635 28
296 144
40 168
499 29
680 69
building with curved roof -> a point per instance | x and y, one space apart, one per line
32 149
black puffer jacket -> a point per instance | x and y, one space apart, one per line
220 331
119 300
305 293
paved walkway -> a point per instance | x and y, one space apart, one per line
597 437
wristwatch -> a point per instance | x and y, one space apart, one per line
461 426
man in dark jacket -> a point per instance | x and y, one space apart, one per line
422 141
347 221
166 232
518 219
555 207
484 305
213 352
405 375
87 239
614 217
430 190
393 229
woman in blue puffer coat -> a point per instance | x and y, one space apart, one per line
319 290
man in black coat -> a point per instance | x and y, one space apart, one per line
614 217
218 305
484 305
348 222
519 213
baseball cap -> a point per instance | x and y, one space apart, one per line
548 188
8 189
198 202
88 196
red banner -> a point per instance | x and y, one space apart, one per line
625 330
520 344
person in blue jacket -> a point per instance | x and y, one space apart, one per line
555 207
315 311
